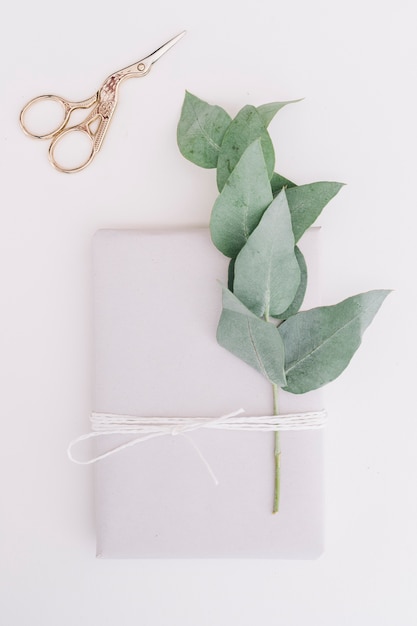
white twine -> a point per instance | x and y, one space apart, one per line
104 424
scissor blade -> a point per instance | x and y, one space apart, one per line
151 58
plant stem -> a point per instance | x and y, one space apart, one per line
277 445
277 455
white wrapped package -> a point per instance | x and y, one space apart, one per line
157 302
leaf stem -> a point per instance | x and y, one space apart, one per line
277 455
277 442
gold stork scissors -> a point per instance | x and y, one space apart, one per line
103 102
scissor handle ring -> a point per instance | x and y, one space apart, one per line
57 139
67 112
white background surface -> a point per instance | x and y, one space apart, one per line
354 62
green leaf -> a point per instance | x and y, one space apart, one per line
306 202
200 131
267 273
278 182
299 296
240 205
320 343
268 111
244 129
251 339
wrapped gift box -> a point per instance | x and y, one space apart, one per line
157 301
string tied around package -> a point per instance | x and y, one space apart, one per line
109 424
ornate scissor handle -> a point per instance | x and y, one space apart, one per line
67 108
58 138
94 127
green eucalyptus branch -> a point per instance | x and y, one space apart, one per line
256 221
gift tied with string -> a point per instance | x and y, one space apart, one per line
257 221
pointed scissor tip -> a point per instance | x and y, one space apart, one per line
173 41
164 48
181 34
